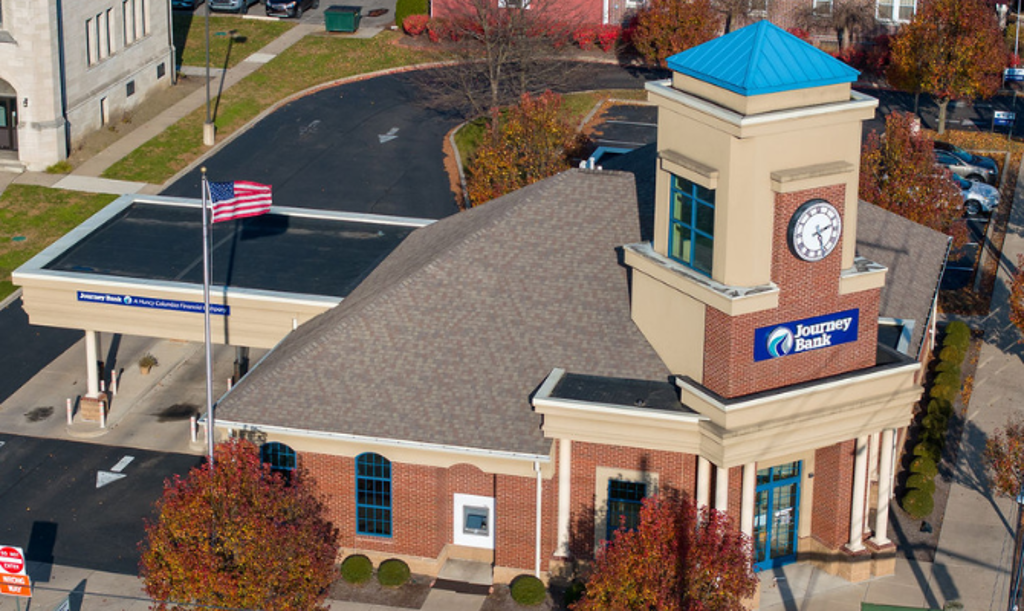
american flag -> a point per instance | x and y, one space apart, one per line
239 199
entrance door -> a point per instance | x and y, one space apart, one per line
776 517
8 124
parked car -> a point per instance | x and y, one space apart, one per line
188 5
290 8
978 196
234 6
973 167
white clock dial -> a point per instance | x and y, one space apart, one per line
814 230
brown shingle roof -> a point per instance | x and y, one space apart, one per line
446 340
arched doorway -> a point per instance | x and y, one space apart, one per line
8 117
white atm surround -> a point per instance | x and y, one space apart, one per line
459 536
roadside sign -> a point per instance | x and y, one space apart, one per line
15 580
12 560
23 591
1013 74
1003 118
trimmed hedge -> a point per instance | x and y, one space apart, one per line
528 590
951 354
918 481
925 466
356 569
928 449
945 393
958 327
940 407
404 8
918 503
393 572
948 367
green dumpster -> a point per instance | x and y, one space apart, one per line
342 18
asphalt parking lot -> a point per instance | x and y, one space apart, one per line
374 13
959 271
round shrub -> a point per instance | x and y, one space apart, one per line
952 354
918 503
392 572
935 423
917 481
947 367
528 590
356 569
929 449
925 466
958 327
940 407
414 25
960 342
945 393
946 378
404 8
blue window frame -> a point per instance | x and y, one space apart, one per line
280 457
777 515
373 495
624 502
691 237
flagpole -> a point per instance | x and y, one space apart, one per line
206 319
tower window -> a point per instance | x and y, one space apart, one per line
691 238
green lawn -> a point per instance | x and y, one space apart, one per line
313 60
40 216
250 36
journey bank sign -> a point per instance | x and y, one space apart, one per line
802 335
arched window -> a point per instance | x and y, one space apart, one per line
373 495
280 457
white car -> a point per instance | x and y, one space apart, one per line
978 196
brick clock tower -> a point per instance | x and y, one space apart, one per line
756 218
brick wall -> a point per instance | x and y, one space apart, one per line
833 494
675 470
806 289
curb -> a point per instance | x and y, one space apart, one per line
10 298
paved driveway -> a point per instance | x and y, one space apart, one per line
371 146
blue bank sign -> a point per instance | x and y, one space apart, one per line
802 335
149 302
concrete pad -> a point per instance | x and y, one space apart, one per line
443 600
98 185
260 58
38 179
466 571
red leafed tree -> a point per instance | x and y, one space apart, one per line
1017 296
898 173
239 536
677 559
666 27
1004 457
528 142
952 49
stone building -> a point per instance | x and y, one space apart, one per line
69 68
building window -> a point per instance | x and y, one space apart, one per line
759 7
373 495
90 41
161 70
821 8
129 89
1 14
625 499
141 23
692 228
279 457
896 10
128 21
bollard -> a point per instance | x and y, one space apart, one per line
230 382
113 383
192 427
71 415
103 386
103 415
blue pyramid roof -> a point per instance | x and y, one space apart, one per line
761 58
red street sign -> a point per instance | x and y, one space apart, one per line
15 590
12 560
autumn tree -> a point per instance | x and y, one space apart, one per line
677 559
952 49
526 143
1017 296
844 17
739 11
666 27
240 536
1004 457
497 51
898 173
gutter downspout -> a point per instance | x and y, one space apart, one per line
604 12
170 43
536 547
62 79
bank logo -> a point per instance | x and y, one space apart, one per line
780 342
127 300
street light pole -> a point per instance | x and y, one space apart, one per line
1016 32
208 129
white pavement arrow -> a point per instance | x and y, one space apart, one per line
391 135
105 477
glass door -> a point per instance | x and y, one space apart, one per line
776 515
8 125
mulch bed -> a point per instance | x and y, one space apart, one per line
409 596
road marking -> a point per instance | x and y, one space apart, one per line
312 128
105 477
388 137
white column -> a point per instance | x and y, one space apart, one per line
703 482
564 495
722 489
747 500
885 456
860 480
92 357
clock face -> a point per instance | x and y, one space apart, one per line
814 230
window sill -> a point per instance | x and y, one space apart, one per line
5 37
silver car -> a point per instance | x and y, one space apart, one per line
966 169
978 196
234 6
